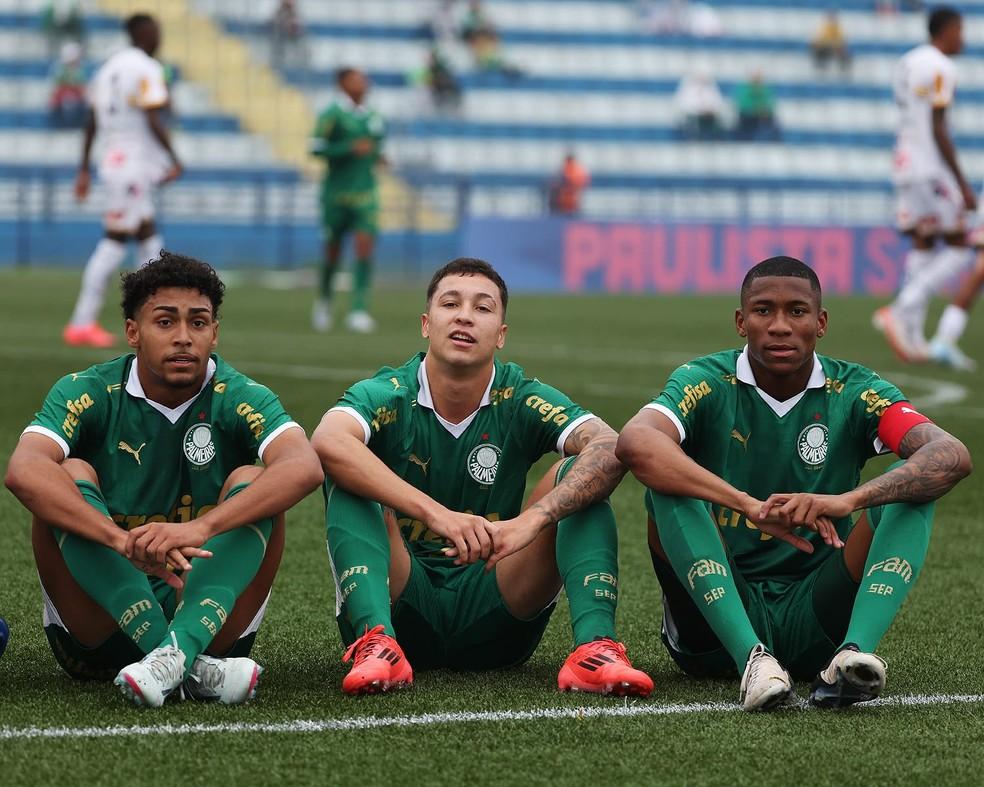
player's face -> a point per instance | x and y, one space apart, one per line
782 320
464 323
356 85
955 42
173 333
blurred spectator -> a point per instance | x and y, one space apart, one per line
487 50
756 108
566 189
444 93
67 103
287 44
700 105
830 43
476 23
63 20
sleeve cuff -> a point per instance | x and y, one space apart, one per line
367 432
35 429
569 430
274 434
662 408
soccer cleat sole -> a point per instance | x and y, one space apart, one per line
379 687
129 689
621 688
844 692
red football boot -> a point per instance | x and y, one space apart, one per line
379 664
602 667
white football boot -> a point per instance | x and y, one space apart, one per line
360 322
150 680
850 677
952 356
227 681
321 316
765 684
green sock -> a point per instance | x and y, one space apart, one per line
214 584
898 550
360 287
358 547
326 280
112 581
587 559
694 549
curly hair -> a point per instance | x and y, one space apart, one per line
170 270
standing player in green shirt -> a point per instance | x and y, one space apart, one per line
349 136
156 535
722 447
428 539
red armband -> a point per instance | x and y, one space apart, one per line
895 423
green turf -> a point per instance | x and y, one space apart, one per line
610 354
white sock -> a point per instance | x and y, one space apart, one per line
149 249
911 303
952 325
103 263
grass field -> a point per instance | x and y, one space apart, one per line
610 354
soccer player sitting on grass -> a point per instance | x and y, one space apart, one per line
156 536
740 450
437 563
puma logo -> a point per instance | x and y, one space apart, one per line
743 440
396 384
419 462
124 446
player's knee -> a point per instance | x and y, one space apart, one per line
80 470
246 474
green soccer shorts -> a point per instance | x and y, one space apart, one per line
342 216
801 621
455 617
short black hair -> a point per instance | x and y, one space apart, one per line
343 72
469 266
941 18
170 270
781 266
134 23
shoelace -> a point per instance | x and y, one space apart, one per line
608 646
364 646
758 656
208 673
163 664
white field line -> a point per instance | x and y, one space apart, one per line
637 709
938 393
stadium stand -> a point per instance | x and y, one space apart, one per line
591 79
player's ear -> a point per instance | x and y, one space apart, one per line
132 331
424 326
740 323
215 333
500 341
821 323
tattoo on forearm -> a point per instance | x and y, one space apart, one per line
594 475
935 462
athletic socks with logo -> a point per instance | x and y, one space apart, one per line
692 544
587 559
897 553
358 546
112 581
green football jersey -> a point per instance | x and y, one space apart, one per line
156 464
350 178
478 466
817 441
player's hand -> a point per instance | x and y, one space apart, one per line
969 196
805 509
174 172
509 536
82 182
468 534
159 570
170 543
363 146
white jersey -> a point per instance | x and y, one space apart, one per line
127 85
925 79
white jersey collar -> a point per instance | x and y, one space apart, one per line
424 399
744 373
135 389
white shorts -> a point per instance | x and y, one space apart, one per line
129 196
932 206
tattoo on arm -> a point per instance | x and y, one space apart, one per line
593 476
935 462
